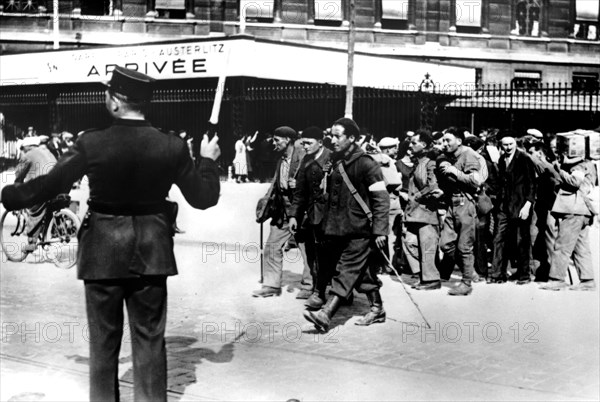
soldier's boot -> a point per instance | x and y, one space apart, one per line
377 313
322 318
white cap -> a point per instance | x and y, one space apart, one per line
30 141
387 142
535 132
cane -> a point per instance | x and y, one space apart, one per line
261 253
389 263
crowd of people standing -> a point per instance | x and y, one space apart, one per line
498 207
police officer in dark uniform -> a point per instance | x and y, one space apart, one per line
125 243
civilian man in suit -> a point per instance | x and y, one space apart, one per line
54 145
309 200
125 243
515 200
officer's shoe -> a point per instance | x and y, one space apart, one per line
322 318
267 291
461 290
377 314
314 302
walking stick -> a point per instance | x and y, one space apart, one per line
389 263
261 253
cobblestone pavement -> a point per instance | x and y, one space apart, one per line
504 342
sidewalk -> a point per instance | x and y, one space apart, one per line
504 342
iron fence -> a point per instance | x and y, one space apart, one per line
253 104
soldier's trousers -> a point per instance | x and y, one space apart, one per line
458 236
146 300
344 261
420 247
572 243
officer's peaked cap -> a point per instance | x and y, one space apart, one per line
133 84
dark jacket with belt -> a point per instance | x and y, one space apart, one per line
517 183
308 196
130 167
343 215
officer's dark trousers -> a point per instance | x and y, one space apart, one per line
146 301
344 260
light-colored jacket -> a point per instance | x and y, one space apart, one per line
576 181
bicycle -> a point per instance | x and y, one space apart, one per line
57 237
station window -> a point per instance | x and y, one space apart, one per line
172 9
468 14
527 79
328 12
395 14
257 10
92 7
586 23
527 17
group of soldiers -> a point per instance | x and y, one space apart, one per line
458 207
338 199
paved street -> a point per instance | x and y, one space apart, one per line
504 342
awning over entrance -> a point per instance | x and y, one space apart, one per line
238 55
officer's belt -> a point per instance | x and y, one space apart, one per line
128 209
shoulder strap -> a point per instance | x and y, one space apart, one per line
354 193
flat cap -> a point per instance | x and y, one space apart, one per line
388 142
535 132
133 84
30 141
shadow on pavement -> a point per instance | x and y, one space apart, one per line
182 360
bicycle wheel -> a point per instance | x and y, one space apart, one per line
13 235
61 243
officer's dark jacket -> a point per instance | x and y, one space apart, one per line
308 196
343 215
129 165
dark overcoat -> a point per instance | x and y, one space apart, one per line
130 167
308 195
343 215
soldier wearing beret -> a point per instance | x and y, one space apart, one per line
125 244
309 200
